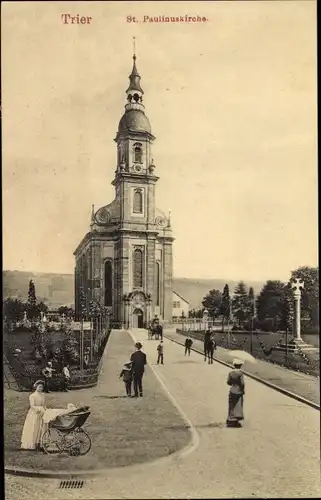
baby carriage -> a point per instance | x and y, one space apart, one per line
65 433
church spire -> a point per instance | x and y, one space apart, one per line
134 90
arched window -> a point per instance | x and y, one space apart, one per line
108 283
138 201
157 283
138 153
138 268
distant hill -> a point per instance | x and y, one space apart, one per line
58 289
195 290
54 289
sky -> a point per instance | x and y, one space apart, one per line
232 103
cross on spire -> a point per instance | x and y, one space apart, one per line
134 46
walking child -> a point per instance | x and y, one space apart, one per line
160 350
127 375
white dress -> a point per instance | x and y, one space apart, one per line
32 429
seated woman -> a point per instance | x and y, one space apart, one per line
33 427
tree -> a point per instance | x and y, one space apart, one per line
310 293
63 310
251 302
212 302
13 309
270 302
225 305
240 303
41 307
32 300
67 311
287 314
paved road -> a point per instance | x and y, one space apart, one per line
299 383
275 454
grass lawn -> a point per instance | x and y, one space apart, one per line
269 339
124 431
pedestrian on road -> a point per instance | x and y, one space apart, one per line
127 375
211 346
160 350
188 345
235 398
65 377
139 360
160 331
47 373
206 345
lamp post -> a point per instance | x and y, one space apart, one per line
252 323
149 304
229 320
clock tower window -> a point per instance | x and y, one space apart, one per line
138 153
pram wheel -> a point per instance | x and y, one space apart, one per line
84 442
52 441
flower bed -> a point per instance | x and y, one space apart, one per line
26 370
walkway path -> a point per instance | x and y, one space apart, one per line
275 454
299 383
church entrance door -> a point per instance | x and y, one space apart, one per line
138 318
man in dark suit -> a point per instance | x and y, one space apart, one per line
139 360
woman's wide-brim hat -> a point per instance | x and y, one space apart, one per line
38 382
138 345
238 362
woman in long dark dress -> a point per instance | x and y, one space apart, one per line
235 398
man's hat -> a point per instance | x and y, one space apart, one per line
138 345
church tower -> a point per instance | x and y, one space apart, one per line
125 260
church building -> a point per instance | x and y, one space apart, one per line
125 260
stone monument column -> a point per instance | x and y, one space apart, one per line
296 344
297 286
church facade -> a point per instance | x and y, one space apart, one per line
125 260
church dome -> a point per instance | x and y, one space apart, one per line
134 120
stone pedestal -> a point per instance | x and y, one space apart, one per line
295 345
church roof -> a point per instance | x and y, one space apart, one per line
134 120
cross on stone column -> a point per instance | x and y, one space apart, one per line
297 285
